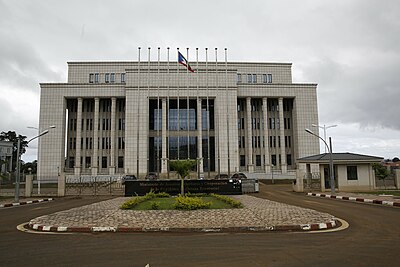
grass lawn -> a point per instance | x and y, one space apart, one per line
168 203
383 192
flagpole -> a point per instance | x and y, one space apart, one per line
216 129
187 102
138 117
208 118
179 124
227 110
148 104
199 125
158 112
167 122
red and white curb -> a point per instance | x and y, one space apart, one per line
25 202
357 199
301 227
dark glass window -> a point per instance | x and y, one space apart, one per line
242 160
104 162
258 160
352 173
120 162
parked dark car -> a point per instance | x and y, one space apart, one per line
130 177
221 176
239 175
151 176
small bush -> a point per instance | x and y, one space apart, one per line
129 204
196 194
155 205
234 203
162 194
190 203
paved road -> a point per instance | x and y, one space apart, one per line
372 240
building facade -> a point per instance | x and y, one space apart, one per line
133 117
6 156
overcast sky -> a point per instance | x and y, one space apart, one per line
351 49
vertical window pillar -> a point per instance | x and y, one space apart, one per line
267 165
113 114
250 165
282 137
78 138
164 159
95 161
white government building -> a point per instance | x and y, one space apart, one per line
131 117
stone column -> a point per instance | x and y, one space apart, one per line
95 161
61 185
267 165
250 165
78 138
28 185
164 159
113 115
282 136
199 137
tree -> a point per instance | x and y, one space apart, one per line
29 165
381 172
11 136
183 168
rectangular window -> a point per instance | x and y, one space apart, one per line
239 78
122 77
242 160
352 173
91 77
254 78
289 159
243 142
96 78
71 162
264 78
107 78
239 142
258 160
112 77
249 78
273 160
239 123
120 162
88 162
269 78
104 162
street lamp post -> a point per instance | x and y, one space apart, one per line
332 179
17 178
324 128
48 128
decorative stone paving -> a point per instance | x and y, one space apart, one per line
257 214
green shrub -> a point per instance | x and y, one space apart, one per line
155 205
234 203
129 204
162 194
190 203
196 194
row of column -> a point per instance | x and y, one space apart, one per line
94 165
250 165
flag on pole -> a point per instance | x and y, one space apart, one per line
182 60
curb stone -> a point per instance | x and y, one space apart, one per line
25 202
112 229
356 199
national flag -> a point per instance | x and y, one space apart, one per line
182 60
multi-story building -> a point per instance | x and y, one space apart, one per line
6 156
133 117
